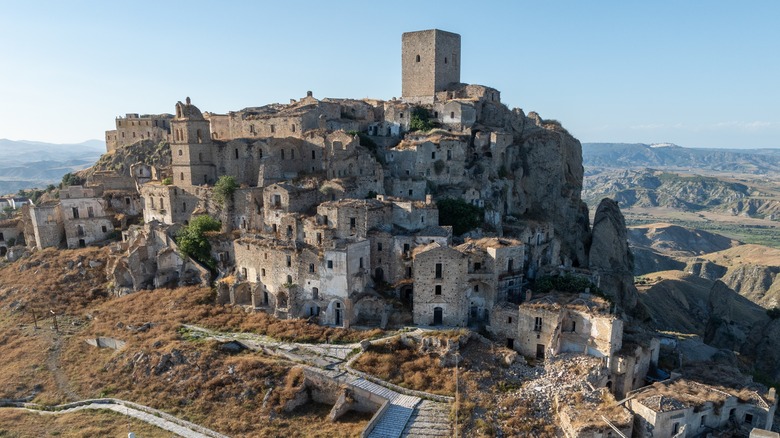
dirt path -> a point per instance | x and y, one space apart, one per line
53 362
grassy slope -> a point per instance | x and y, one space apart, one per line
158 367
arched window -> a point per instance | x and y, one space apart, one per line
200 138
417 59
180 152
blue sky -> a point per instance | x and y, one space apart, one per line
699 74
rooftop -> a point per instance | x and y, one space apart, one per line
672 395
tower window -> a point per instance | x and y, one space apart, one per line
438 289
417 59
236 152
445 59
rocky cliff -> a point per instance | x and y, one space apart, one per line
552 182
610 256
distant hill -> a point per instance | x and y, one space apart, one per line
671 156
29 164
683 192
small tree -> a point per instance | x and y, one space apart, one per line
167 181
460 214
192 240
420 120
224 188
70 179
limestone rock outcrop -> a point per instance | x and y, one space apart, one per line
610 256
552 181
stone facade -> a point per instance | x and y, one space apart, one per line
430 62
84 216
133 128
47 224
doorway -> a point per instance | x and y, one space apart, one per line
438 316
338 314
540 351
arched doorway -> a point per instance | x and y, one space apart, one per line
379 275
438 316
407 296
338 314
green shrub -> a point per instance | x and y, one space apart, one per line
224 188
167 181
460 214
70 179
565 283
420 120
193 242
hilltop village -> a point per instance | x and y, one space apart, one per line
333 214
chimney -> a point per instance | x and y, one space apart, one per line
380 197
309 94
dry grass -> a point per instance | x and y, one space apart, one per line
405 366
192 380
19 423
585 410
24 351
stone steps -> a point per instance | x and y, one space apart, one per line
392 423
430 420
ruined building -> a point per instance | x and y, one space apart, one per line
335 210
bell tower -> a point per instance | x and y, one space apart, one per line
191 147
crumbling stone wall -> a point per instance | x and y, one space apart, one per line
47 223
133 128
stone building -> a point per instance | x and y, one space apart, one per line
430 62
84 216
11 234
48 224
460 286
553 324
684 408
133 128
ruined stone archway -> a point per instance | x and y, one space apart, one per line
369 311
335 313
242 294
407 296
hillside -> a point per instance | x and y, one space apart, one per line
159 366
649 188
749 269
28 164
639 155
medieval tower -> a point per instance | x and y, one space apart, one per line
191 147
430 61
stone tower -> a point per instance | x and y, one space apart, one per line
430 61
191 147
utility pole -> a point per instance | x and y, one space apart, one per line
54 317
